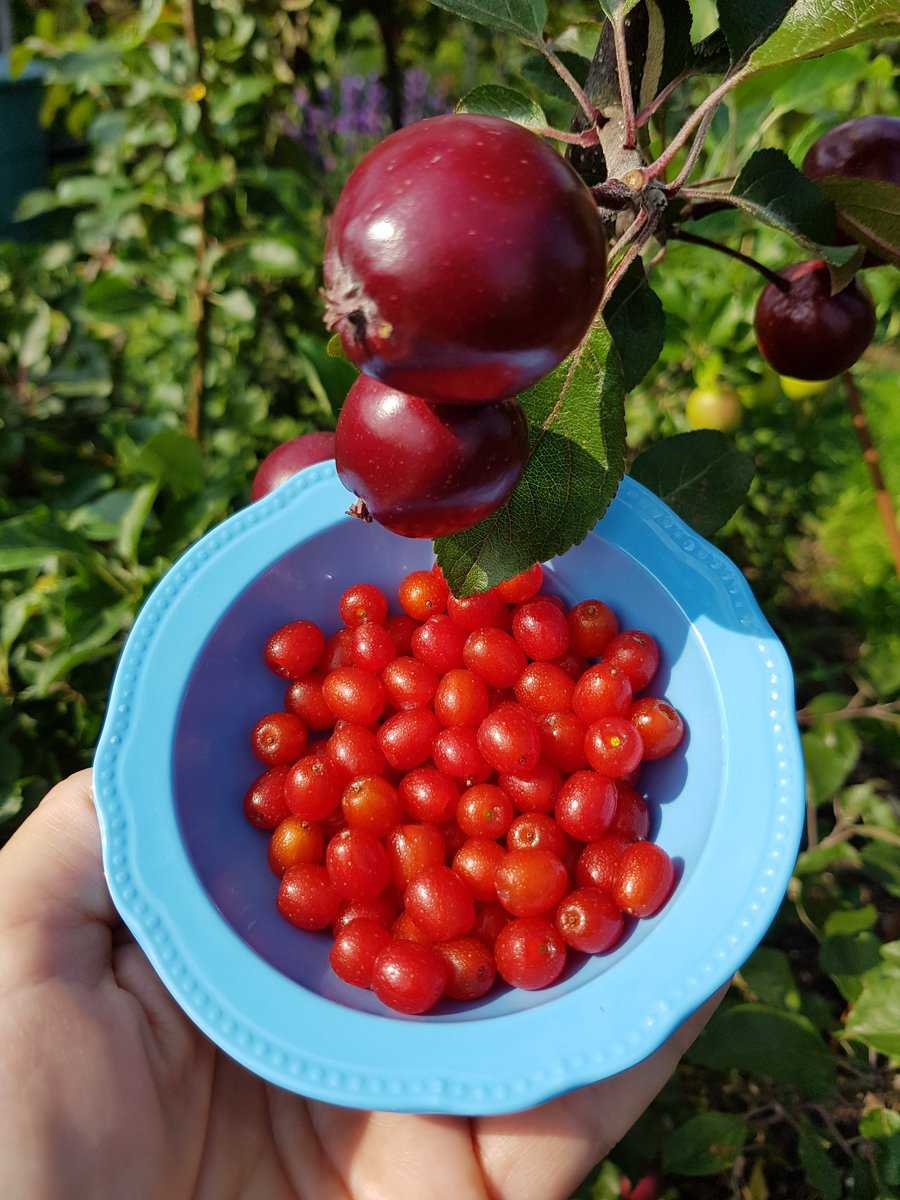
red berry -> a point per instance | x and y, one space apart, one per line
544 687
371 646
355 749
632 819
589 920
337 653
406 930
456 753
287 459
476 862
425 470
808 333
659 724
598 863
495 656
382 909
530 953
265 805
613 747
603 691
573 666
440 903
484 811
471 968
637 654
521 587
541 629
562 740
307 897
406 738
535 792
357 864
530 882
448 316
412 849
355 949
294 841
439 643
586 805
482 611
423 594
305 700
363 602
354 695
509 739
372 803
429 796
645 878
409 683
461 699
293 650
313 787
409 977
489 920
401 628
592 625
537 831
454 838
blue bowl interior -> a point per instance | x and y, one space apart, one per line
230 688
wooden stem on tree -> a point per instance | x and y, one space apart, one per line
199 300
872 459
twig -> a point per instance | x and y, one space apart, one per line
630 132
695 239
199 299
710 104
812 822
875 832
625 262
872 459
587 138
878 712
693 154
701 183
831 1125
657 102
595 117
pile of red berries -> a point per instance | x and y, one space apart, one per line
452 790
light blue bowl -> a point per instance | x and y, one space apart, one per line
189 875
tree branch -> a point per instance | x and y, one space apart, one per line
872 459
695 239
697 117
618 27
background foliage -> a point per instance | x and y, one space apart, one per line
160 330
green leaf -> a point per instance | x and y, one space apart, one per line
768 975
844 921
617 10
236 302
814 862
525 18
705 1144
334 347
174 459
874 1019
881 861
882 1127
496 101
815 27
36 337
767 1041
134 519
539 72
845 957
821 1173
577 458
669 49
701 475
111 298
746 26
27 540
831 750
869 210
635 319
275 257
96 643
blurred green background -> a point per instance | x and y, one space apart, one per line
160 330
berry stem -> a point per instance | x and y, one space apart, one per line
595 118
872 459
697 117
658 101
696 240
618 27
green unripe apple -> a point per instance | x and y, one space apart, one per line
714 408
799 389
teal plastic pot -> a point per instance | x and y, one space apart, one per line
23 144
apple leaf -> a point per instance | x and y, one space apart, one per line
635 318
869 210
576 420
669 49
746 26
821 1173
496 101
706 1144
875 1017
525 18
814 27
618 10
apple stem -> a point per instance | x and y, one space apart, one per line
696 240
872 459
618 28
594 116
657 102
693 154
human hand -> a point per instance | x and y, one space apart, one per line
108 1090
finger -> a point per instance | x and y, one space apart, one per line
546 1152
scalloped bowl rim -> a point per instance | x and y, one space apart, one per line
357 1059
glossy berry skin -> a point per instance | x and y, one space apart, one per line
598 863
541 629
509 739
562 741
401 628
406 738
429 796
357 864
456 753
382 909
454 838
354 950
439 643
289 458
313 787
483 611
461 699
363 602
484 811
543 687
407 930
470 966
412 849
530 882
522 586
636 654
586 805
659 724
645 878
589 920
279 739
305 700
592 626
293 650
265 804
495 656
307 897
632 819
372 803
535 792
537 831
489 920
573 665
464 260
440 903
409 977
613 747
354 695
426 470
476 863
807 333
294 841
409 683
355 750
423 594
371 647
530 953
337 652
603 691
